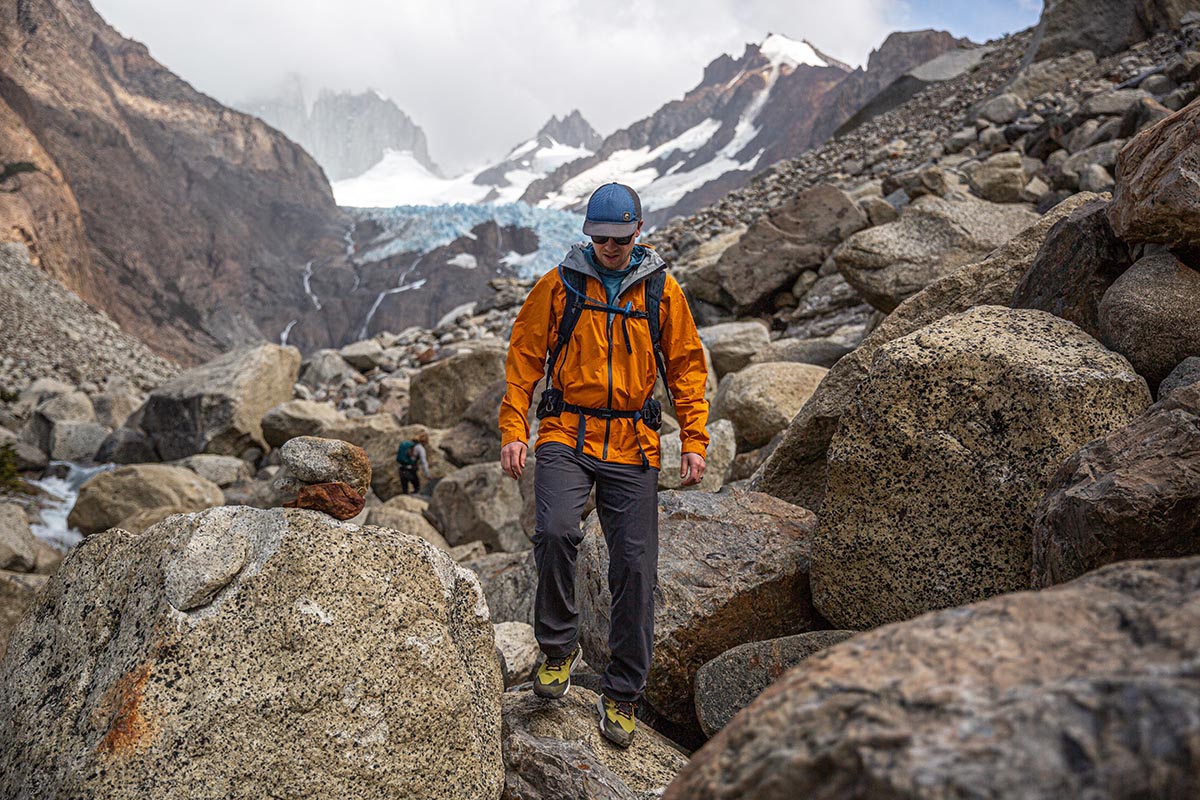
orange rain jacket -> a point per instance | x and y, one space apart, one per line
597 370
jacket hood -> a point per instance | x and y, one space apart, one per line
577 260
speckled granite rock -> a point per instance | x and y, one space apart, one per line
731 681
509 581
796 470
733 344
1084 690
554 750
443 391
518 649
1149 315
109 497
932 238
257 652
479 503
1185 374
732 568
218 407
297 418
775 250
17 592
939 462
1133 494
313 459
762 399
718 458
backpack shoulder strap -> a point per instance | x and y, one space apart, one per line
571 311
655 285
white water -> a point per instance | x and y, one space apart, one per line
283 337
399 287
63 492
308 271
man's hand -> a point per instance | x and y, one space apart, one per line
512 459
691 469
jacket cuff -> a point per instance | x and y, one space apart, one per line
697 448
507 440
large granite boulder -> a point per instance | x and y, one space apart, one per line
1000 178
380 436
519 651
109 497
17 593
218 407
942 457
762 399
932 238
1133 494
554 750
1157 198
784 242
709 598
297 418
222 470
66 407
18 545
1102 26
76 441
796 470
1079 260
1185 374
1150 315
732 345
476 439
722 448
255 653
441 393
327 368
509 581
479 503
731 681
1083 690
398 518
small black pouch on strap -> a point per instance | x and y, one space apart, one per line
652 414
551 404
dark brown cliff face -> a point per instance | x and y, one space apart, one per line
898 54
199 219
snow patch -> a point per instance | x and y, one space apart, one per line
463 260
780 49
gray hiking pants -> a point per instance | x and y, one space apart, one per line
627 503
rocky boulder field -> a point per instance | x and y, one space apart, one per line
948 544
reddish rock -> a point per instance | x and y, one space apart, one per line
1133 494
1157 198
338 500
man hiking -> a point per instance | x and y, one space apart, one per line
409 455
599 328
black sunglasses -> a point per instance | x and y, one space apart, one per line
621 240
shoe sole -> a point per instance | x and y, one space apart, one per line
600 707
570 672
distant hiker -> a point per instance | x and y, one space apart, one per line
600 328
409 455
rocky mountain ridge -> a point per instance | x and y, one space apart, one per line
108 149
785 95
346 132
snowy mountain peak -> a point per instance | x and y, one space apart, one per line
572 130
779 49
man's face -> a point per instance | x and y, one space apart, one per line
611 255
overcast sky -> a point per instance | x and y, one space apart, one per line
480 76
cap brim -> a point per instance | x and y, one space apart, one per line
609 228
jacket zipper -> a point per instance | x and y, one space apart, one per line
608 422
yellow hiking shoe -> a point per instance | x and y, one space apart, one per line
554 675
617 722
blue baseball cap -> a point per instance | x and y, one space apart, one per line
613 210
